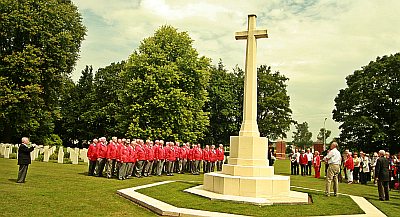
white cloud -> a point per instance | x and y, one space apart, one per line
315 43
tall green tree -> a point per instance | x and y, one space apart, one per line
302 136
39 45
222 106
323 134
165 88
368 109
103 114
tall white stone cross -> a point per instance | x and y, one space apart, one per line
249 125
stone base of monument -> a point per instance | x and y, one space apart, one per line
260 190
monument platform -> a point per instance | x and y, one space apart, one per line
267 190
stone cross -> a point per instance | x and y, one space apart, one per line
249 125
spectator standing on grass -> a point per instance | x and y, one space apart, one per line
101 156
220 157
334 160
356 170
310 157
349 165
294 163
382 176
303 163
24 158
317 164
92 156
364 168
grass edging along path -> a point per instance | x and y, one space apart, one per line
172 193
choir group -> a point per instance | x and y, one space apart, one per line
125 158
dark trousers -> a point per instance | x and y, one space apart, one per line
363 178
383 190
23 170
303 169
295 168
309 165
101 162
219 165
92 167
139 168
356 172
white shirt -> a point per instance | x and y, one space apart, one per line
334 157
310 156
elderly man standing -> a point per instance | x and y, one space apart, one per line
24 158
334 160
382 176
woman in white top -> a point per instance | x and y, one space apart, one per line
356 170
364 168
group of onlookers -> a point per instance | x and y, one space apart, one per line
303 161
125 158
356 167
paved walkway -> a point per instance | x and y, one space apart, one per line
162 208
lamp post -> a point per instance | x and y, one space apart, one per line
324 134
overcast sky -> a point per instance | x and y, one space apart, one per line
315 43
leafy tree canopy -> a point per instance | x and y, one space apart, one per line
165 88
39 45
369 107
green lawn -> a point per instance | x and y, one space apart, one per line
53 189
320 206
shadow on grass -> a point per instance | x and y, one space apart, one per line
83 173
12 180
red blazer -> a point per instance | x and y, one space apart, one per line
92 152
140 154
206 154
316 161
101 150
131 155
220 154
190 154
112 151
124 155
159 153
149 153
303 159
197 154
213 155
170 154
349 163
119 147
183 154
177 151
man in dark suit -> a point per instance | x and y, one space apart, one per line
24 158
382 176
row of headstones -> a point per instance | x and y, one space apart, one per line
74 154
6 149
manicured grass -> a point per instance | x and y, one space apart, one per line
174 195
53 189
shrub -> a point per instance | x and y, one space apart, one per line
52 140
67 161
53 156
13 156
15 149
40 158
66 154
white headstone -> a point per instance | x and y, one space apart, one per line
61 155
73 156
36 153
68 149
84 155
11 149
46 154
77 152
7 153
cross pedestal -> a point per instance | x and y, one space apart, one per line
247 175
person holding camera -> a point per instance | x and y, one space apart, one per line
24 158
